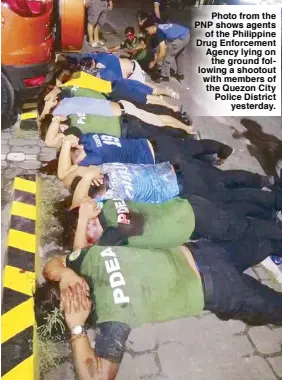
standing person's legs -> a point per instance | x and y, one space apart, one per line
97 13
232 295
173 48
179 59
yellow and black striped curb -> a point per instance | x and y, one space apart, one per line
28 119
18 284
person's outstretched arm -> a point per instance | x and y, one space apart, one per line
160 54
64 165
92 174
54 137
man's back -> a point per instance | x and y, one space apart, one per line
136 286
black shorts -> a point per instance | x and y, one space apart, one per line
134 128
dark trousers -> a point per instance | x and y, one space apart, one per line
229 293
134 128
207 181
184 150
222 222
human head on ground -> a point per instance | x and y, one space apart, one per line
97 232
66 297
150 26
88 212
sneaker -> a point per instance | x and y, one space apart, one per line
101 43
94 44
172 94
267 181
276 259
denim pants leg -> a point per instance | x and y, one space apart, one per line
229 294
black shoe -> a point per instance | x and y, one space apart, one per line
164 79
179 77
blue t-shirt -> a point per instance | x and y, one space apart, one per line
141 183
112 70
101 148
170 32
90 106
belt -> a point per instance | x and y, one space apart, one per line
121 108
207 282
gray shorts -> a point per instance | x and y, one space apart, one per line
97 12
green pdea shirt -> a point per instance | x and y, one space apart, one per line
166 225
137 286
111 125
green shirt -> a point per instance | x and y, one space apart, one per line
110 125
137 286
140 54
166 225
76 91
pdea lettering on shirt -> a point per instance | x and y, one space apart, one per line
116 278
81 118
122 211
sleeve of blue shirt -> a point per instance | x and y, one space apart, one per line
106 74
91 159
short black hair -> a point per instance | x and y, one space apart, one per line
46 299
129 29
148 23
142 14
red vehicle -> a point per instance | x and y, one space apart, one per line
28 40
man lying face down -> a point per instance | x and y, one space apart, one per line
158 183
129 287
59 106
120 89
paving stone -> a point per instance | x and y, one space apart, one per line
16 157
64 371
12 173
28 149
276 364
41 143
3 156
251 273
22 142
5 135
261 273
137 368
4 142
4 164
5 149
30 165
143 338
47 156
207 348
217 361
48 150
31 156
267 341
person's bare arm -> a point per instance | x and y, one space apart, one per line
157 10
113 49
88 365
64 165
54 137
160 54
82 189
88 210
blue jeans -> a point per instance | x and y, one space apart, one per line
229 293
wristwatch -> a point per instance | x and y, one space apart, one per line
78 331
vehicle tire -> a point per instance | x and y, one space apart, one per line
7 102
